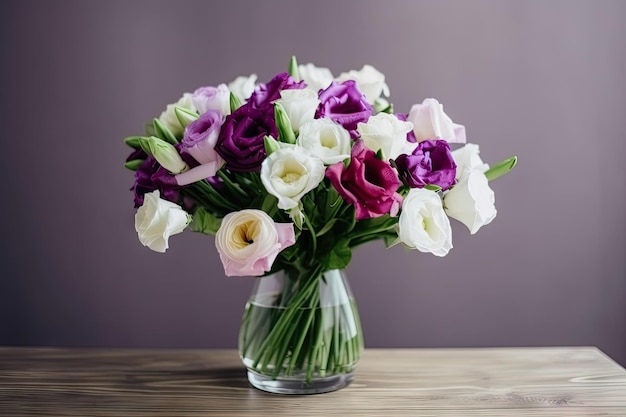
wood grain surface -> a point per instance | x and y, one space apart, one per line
389 382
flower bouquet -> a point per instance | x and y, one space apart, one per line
292 174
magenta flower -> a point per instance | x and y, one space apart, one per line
430 163
368 183
345 104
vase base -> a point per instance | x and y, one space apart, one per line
299 387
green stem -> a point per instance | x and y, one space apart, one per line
297 336
303 332
285 319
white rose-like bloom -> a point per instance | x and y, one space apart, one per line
325 139
168 116
316 78
468 159
157 219
248 242
300 106
430 122
289 173
369 80
388 133
423 224
243 87
212 98
471 201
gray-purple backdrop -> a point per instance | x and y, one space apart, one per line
540 79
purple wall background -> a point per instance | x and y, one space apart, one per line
543 80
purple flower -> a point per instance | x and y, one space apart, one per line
212 98
151 176
430 163
138 153
345 104
265 94
240 142
199 141
201 136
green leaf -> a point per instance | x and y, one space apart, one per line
383 106
339 256
205 222
379 154
134 164
233 186
162 132
372 227
185 116
216 198
391 240
235 103
149 129
432 187
333 203
501 168
327 227
133 141
270 205
293 69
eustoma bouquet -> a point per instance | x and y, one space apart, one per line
290 175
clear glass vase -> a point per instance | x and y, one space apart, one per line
301 335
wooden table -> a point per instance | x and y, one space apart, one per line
552 382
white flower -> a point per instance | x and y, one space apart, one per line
316 78
168 116
471 201
388 133
289 173
369 80
243 87
212 98
423 225
157 219
300 106
468 159
430 122
325 139
248 242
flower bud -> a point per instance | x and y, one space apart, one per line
501 168
271 145
165 154
235 103
185 116
297 216
293 69
285 133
